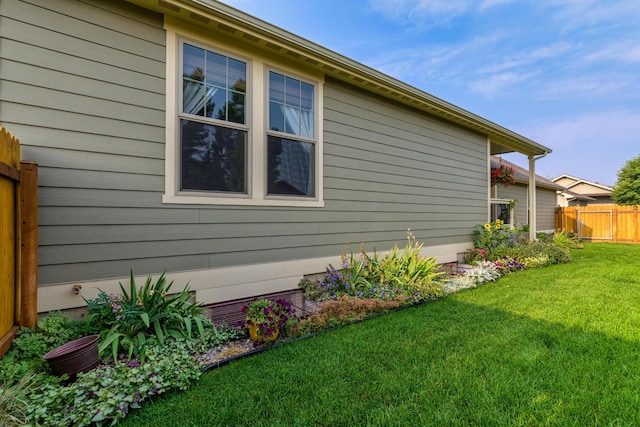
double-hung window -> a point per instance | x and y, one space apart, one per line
240 130
290 137
213 128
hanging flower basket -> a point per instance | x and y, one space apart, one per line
502 175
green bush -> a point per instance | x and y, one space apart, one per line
130 319
397 275
493 234
31 344
533 254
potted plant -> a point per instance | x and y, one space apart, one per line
265 318
502 175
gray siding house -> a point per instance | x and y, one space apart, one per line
546 190
188 137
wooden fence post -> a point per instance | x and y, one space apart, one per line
28 308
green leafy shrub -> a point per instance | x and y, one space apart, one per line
533 254
397 275
493 234
31 344
132 318
107 393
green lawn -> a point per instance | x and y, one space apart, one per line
555 346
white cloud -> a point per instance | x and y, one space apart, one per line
499 83
586 13
627 51
611 86
607 129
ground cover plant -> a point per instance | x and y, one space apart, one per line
150 335
553 346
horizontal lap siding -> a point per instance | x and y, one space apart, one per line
83 88
382 159
546 209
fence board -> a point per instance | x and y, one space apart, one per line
9 242
600 222
18 240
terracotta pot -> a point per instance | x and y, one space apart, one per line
80 355
253 334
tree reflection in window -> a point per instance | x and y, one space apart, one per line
213 155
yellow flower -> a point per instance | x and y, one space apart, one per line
498 226
487 226
499 221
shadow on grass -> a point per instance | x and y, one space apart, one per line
448 362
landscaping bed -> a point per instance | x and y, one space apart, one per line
163 342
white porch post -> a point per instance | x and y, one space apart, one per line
533 206
532 198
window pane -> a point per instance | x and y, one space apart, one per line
193 98
213 158
306 124
276 117
276 87
216 103
293 92
216 69
290 167
306 96
292 120
193 62
235 107
237 75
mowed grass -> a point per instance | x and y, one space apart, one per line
558 346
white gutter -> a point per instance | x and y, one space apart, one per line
533 217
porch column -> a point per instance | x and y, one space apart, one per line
532 198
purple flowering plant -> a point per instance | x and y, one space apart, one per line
268 316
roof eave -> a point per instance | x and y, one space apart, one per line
237 24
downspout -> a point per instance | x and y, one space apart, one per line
532 195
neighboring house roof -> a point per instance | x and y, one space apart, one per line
249 30
570 195
583 186
521 174
576 182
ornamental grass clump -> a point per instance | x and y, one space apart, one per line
129 320
397 275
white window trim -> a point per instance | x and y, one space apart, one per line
503 202
257 109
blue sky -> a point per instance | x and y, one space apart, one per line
564 73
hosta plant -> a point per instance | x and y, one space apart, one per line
147 312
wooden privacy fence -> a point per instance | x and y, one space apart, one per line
611 223
18 241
